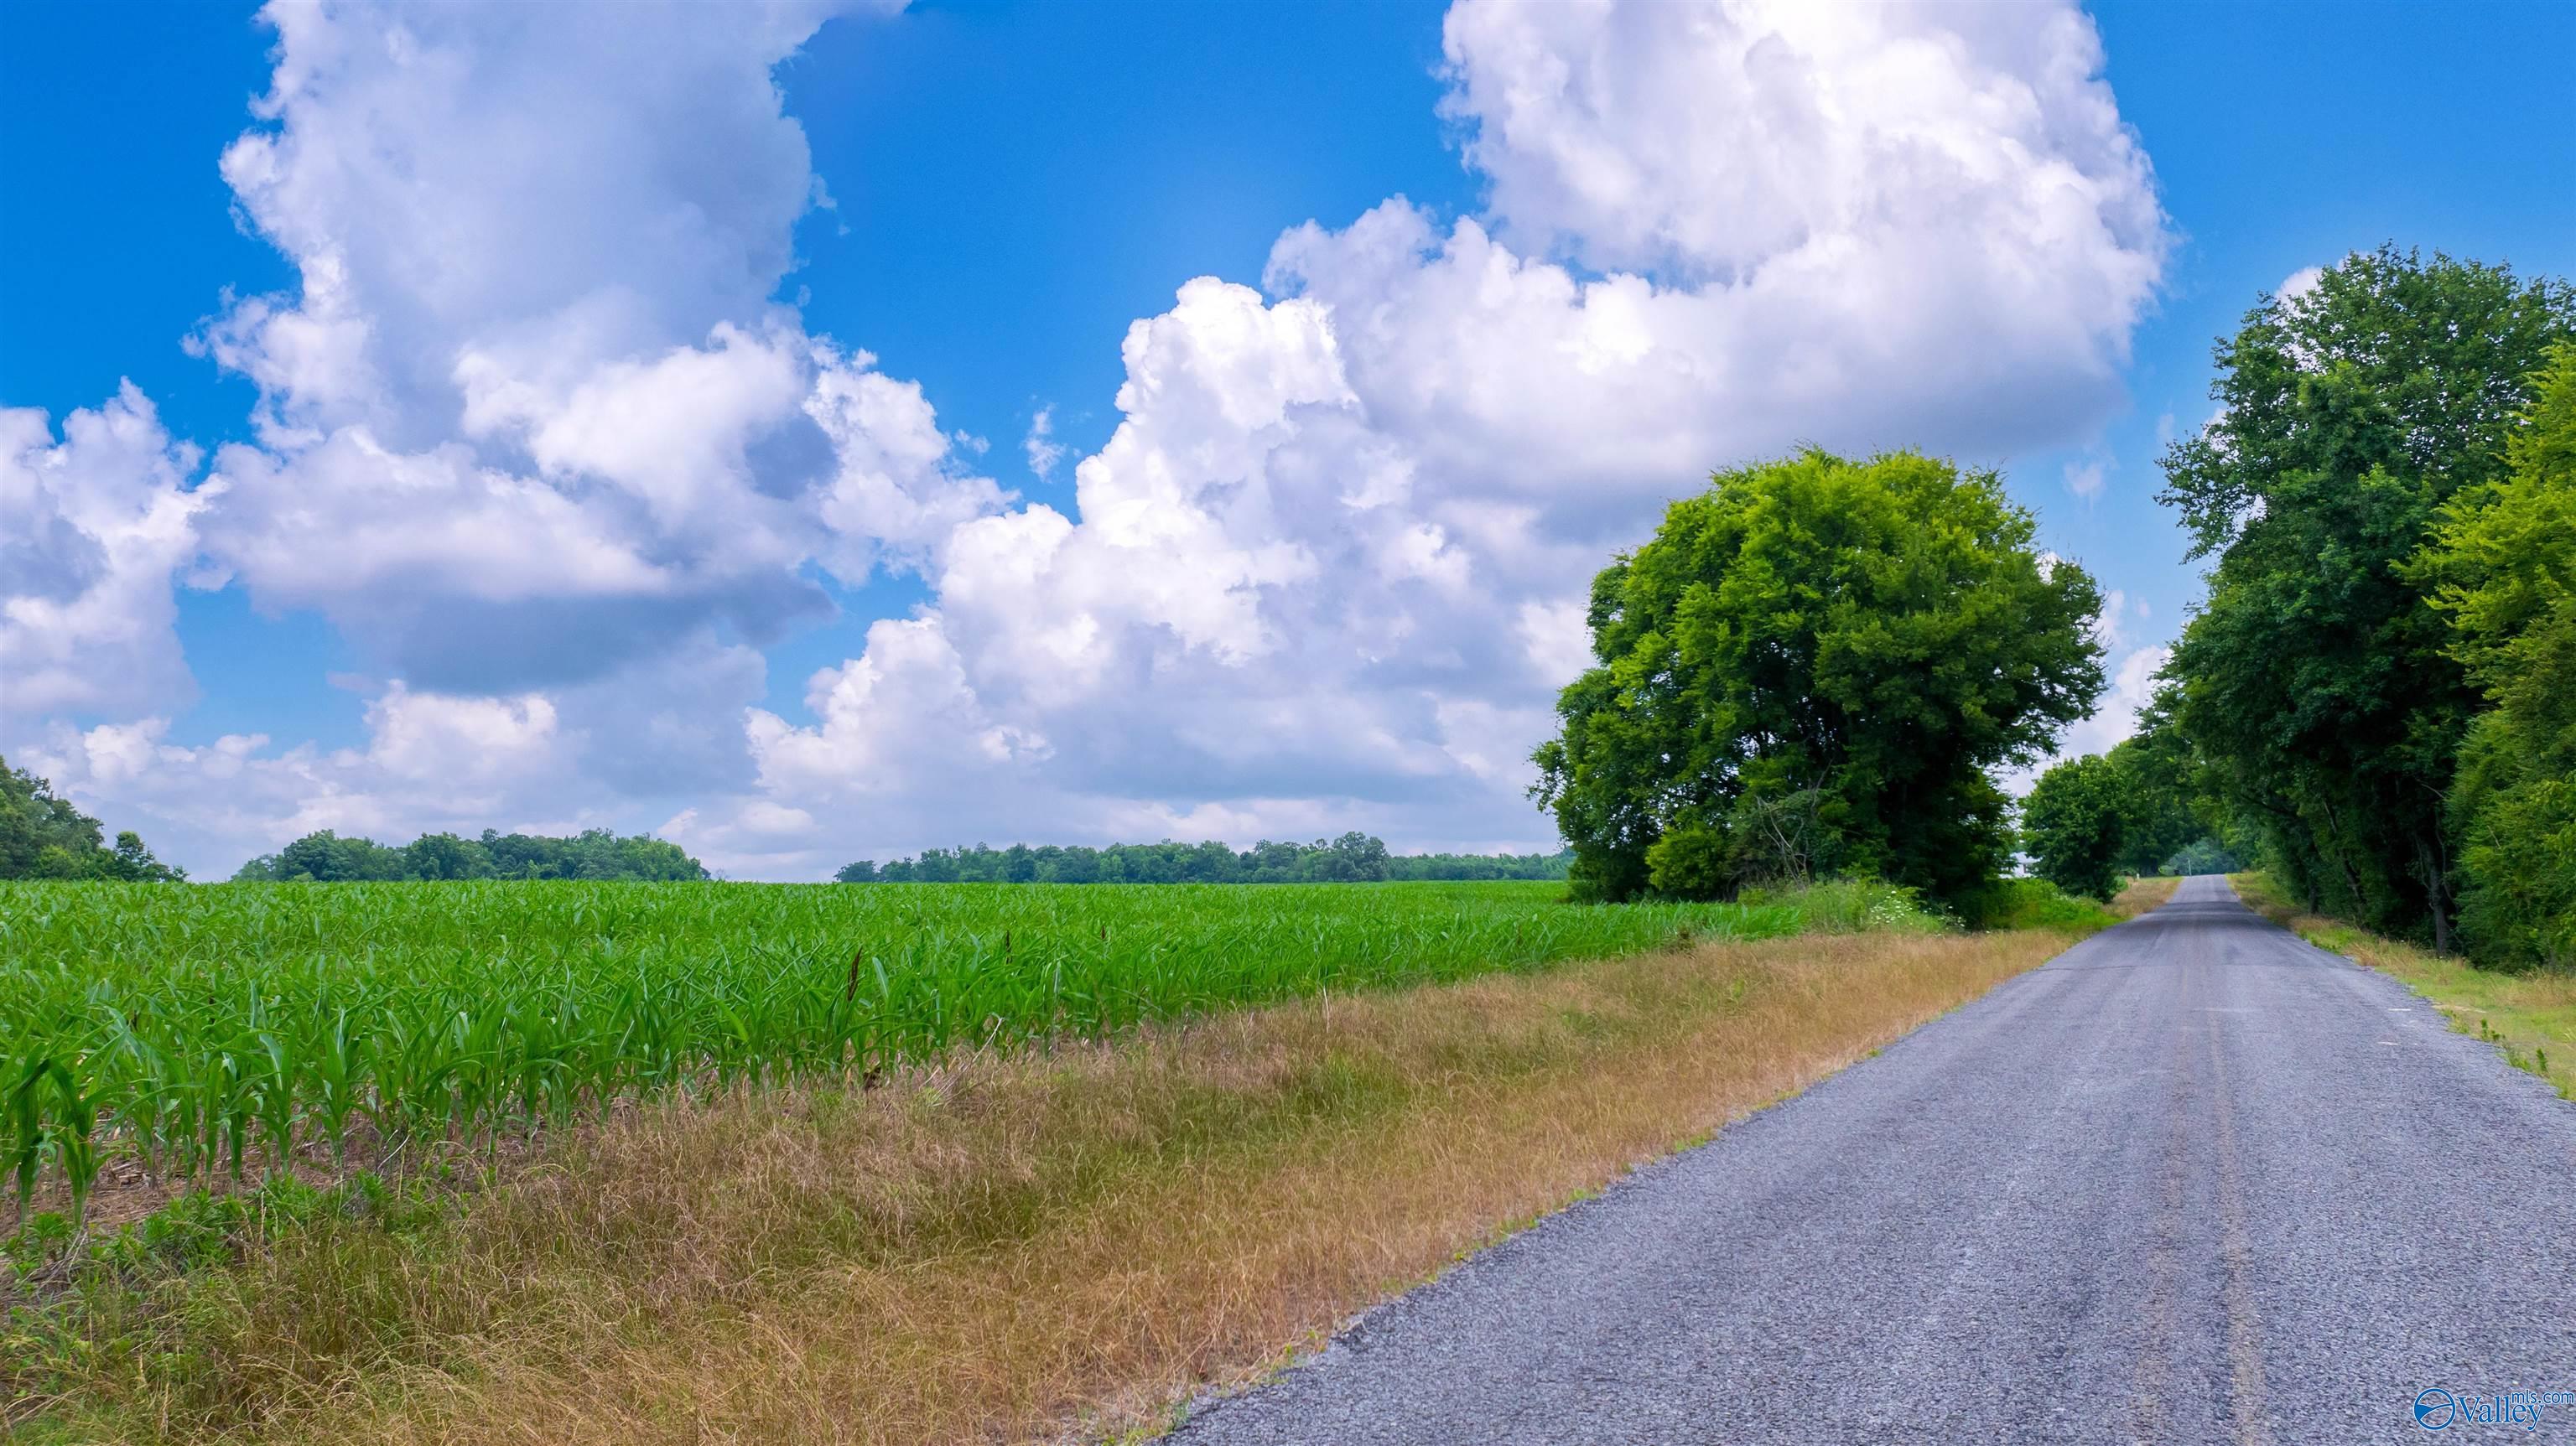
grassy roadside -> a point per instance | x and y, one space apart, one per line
2530 1017
2142 894
996 1248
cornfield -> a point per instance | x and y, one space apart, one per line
185 1029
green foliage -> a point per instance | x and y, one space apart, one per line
1460 867
1852 906
2030 904
1691 862
1351 859
2319 678
1808 671
189 1030
43 837
2503 568
201 1228
596 854
2172 805
2075 824
2204 856
2139 809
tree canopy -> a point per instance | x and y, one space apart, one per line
2502 567
2319 677
43 837
2075 825
2138 809
1810 669
326 857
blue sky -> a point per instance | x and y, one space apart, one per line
1012 187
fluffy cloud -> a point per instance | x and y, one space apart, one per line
1760 137
2133 686
1043 450
547 186
534 433
96 524
1339 540
433 761
612 752
532 412
899 720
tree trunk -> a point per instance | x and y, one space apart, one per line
2351 881
2436 891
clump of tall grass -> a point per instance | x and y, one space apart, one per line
1850 906
2032 904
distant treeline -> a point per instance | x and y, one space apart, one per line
1428 867
1352 858
326 857
43 837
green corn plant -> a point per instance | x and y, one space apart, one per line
204 1021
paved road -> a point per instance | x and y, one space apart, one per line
2193 1181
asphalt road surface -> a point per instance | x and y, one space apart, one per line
2193 1181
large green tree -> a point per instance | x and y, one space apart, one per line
2158 820
2317 676
1810 669
2502 567
2091 821
2076 824
2175 809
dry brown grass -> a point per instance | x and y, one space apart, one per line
2531 1017
2141 895
1018 1249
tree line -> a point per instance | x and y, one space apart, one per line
1353 858
326 857
2378 696
1819 665
43 837
2091 822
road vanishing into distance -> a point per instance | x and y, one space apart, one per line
2192 1181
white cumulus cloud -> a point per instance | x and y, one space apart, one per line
1340 537
533 386
535 433
93 526
1043 450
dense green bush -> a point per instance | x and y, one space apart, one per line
1850 906
2139 809
2029 904
2075 823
